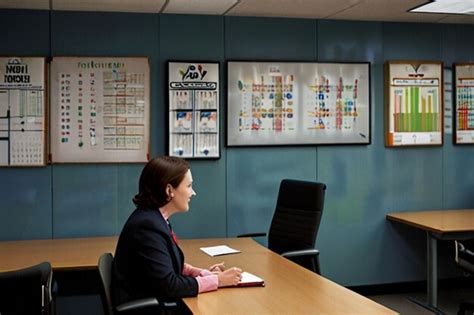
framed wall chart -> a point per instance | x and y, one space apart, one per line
23 111
464 103
287 103
413 103
100 109
193 109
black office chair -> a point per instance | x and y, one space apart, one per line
27 291
296 221
464 257
141 306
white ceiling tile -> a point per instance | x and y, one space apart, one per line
25 4
388 10
213 7
295 8
364 10
137 6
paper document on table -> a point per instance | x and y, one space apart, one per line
250 280
219 250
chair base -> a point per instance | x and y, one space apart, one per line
466 308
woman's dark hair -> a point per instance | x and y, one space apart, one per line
155 177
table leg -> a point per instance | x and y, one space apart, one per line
432 276
432 270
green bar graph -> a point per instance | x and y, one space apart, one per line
418 109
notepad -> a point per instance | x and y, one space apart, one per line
250 280
219 250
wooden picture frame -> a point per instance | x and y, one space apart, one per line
463 109
414 110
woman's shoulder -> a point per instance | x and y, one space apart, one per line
146 218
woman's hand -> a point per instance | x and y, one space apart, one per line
229 277
217 267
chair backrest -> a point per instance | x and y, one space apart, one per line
297 216
26 291
105 272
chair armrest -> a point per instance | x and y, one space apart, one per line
464 257
139 305
301 253
252 234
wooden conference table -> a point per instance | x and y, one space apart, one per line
289 289
438 225
63 254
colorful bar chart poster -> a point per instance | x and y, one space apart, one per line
283 103
22 111
414 103
193 109
100 109
464 104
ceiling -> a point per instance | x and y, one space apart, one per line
366 10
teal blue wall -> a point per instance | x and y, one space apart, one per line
236 194
26 207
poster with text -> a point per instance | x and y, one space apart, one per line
193 109
100 109
414 103
464 104
22 111
283 103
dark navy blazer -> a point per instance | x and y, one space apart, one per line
148 263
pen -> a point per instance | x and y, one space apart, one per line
217 267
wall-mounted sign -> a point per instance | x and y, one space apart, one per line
22 111
414 103
283 103
464 104
100 109
193 109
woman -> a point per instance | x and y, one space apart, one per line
148 261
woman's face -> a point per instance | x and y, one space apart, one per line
181 195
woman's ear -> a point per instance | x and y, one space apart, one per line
169 193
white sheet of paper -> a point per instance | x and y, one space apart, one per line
247 277
219 250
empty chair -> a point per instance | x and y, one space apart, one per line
295 223
464 257
27 291
141 306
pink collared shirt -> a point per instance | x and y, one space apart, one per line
207 281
